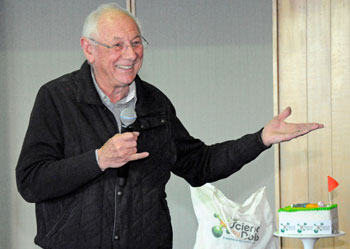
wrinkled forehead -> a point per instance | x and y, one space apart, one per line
117 24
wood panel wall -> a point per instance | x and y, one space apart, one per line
312 75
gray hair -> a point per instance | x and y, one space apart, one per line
91 21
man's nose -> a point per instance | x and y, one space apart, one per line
129 52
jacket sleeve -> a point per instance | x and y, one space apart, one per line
199 163
42 170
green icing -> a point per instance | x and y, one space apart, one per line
297 209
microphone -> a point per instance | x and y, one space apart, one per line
127 117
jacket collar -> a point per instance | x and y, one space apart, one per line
148 101
86 91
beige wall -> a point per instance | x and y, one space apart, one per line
312 75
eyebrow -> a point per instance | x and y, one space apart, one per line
119 38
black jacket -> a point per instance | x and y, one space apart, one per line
80 207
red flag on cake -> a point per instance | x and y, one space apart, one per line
332 184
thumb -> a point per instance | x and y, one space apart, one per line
285 114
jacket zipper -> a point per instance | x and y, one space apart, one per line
115 211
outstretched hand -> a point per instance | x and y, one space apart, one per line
277 130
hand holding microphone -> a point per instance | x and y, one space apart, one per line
121 148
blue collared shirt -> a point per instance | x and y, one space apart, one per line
126 102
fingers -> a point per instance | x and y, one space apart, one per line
317 126
138 156
128 136
308 127
278 131
119 150
133 157
299 130
126 140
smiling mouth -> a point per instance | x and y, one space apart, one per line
124 67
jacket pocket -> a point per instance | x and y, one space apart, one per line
59 224
154 135
151 121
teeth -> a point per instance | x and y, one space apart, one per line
124 67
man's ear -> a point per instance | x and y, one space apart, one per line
87 49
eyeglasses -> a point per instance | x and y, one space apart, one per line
135 44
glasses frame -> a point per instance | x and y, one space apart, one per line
113 46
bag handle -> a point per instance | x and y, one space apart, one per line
218 205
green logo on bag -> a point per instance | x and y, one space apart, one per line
218 230
240 230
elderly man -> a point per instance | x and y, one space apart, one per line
95 187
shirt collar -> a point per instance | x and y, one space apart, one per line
105 99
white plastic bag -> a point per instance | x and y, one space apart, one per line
223 223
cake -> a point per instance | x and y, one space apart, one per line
308 219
